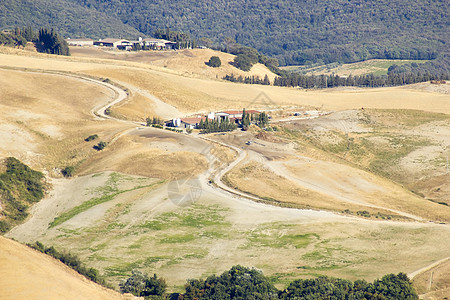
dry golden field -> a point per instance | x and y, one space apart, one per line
28 274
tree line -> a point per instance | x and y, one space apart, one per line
247 283
46 40
209 126
248 79
329 81
71 261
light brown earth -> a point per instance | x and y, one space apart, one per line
434 283
189 62
141 227
27 274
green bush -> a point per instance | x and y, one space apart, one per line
214 62
68 171
91 138
140 284
100 146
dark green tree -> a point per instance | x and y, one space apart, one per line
214 62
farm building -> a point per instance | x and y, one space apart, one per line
158 44
114 43
80 42
235 114
191 123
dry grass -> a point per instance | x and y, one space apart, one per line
132 155
256 179
47 117
188 62
191 94
135 108
434 280
28 274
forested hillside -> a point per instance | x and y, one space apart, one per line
294 31
299 31
66 17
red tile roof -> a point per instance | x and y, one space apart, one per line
192 120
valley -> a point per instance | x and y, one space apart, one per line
358 193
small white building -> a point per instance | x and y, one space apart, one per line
80 42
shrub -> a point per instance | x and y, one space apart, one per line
140 284
91 138
68 171
214 62
100 146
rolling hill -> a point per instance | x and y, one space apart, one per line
28 274
70 19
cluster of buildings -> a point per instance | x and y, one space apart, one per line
123 44
193 122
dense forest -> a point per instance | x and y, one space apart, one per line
294 32
299 32
68 18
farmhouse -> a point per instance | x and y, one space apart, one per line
191 123
80 42
157 44
114 43
234 114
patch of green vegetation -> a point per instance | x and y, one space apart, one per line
411 117
20 186
387 157
196 216
110 192
32 130
123 269
98 247
178 238
115 225
155 225
272 236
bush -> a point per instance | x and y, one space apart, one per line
91 138
71 261
68 171
100 146
214 62
140 284
243 62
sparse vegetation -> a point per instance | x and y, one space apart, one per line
71 261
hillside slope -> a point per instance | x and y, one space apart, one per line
295 32
70 19
28 274
299 32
